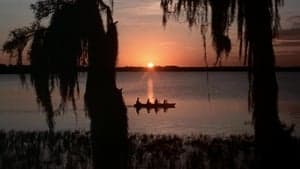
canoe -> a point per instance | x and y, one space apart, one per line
152 105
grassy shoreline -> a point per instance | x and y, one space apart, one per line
72 149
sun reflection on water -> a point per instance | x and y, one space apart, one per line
150 91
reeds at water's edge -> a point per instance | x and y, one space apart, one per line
72 149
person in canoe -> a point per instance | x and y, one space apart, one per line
137 101
148 101
165 101
156 102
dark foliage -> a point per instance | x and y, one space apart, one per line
257 24
78 36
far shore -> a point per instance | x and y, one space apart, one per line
12 69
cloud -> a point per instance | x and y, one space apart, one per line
167 43
292 43
293 18
293 21
287 45
289 34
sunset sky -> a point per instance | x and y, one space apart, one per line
143 39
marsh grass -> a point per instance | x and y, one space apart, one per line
72 149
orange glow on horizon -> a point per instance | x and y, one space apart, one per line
150 65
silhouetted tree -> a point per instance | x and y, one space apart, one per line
78 35
18 38
103 100
258 22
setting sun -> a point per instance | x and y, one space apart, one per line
150 65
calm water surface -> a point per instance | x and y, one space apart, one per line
215 104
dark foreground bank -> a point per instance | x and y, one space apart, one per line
72 150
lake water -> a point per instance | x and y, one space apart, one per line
215 104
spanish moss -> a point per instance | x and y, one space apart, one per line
57 50
257 24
